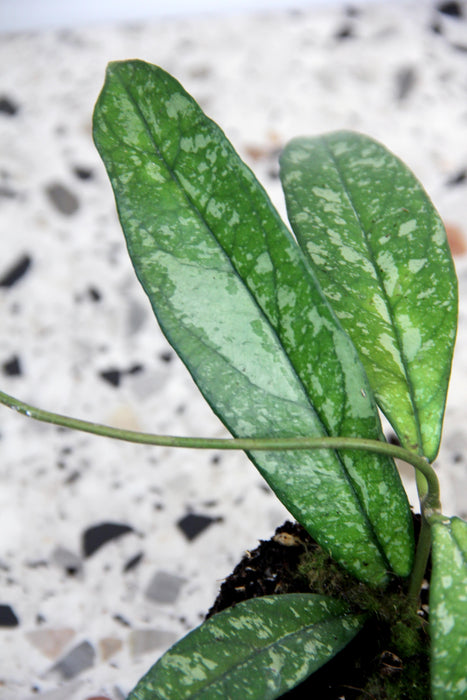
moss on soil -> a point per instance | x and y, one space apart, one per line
387 660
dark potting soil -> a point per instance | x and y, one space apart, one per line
387 660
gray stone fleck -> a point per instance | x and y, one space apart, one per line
147 383
136 317
76 661
164 587
142 641
68 560
62 198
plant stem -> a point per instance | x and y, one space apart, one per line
247 444
420 561
430 504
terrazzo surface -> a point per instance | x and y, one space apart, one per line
110 552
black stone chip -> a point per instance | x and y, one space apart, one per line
111 376
121 620
458 178
114 376
453 9
16 271
8 617
133 562
345 32
12 367
97 535
7 106
83 173
193 525
166 356
94 294
135 369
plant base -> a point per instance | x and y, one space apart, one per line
387 660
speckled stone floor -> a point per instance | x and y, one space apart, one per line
110 552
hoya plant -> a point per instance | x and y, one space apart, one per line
297 341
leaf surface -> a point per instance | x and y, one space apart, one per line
256 650
448 610
380 253
236 298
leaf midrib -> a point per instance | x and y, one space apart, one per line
257 652
385 296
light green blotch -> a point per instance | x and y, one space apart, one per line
153 171
209 664
303 216
286 299
439 233
340 148
328 195
411 338
187 667
247 623
388 267
407 227
318 254
369 160
177 104
444 619
350 255
263 633
379 305
387 342
461 686
192 144
234 219
215 209
416 265
263 264
360 406
383 489
316 320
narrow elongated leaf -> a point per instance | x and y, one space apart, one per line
257 650
237 300
448 610
380 254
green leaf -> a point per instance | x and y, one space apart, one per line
237 300
380 253
259 649
448 610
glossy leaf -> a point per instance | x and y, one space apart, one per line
448 610
237 300
380 253
257 650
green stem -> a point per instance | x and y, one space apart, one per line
247 444
421 559
430 504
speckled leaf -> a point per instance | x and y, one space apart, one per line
380 253
237 300
255 651
448 610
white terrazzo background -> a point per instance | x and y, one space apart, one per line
394 70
